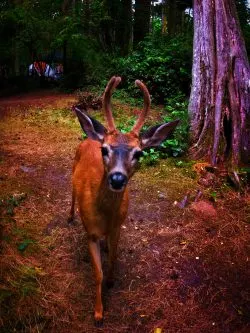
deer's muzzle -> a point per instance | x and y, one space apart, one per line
117 181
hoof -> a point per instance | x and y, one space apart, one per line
99 322
110 283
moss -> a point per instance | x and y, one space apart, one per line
166 176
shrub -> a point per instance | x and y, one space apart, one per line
177 108
176 145
164 64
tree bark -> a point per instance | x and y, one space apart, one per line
173 19
87 15
164 17
141 20
124 29
219 104
173 16
108 25
16 59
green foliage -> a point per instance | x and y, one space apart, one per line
125 125
177 144
24 28
244 175
186 166
213 196
26 281
86 64
20 236
125 97
150 157
243 10
43 30
24 244
10 203
177 108
156 26
164 64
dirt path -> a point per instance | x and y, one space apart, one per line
182 270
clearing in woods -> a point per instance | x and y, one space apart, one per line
179 269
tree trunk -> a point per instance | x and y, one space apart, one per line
141 19
219 104
173 19
175 15
65 62
16 59
124 28
87 15
164 17
108 25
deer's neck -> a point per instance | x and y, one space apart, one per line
107 198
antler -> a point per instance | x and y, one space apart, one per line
140 121
112 84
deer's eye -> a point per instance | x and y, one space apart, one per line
105 151
138 154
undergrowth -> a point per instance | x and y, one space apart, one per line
163 63
19 278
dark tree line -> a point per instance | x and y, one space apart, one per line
35 29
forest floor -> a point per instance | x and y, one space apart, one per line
183 266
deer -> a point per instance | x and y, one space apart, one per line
104 163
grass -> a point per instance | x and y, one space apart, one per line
10 203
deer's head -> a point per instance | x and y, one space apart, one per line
121 152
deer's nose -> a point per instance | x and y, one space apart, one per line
117 180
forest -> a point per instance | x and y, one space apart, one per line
179 75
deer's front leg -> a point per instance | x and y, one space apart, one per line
113 239
94 249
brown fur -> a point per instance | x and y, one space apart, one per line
99 207
117 138
102 211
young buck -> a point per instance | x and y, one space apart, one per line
103 165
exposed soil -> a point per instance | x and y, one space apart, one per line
183 266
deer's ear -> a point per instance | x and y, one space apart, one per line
155 135
93 129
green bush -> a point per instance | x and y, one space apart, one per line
177 108
176 145
164 64
150 157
